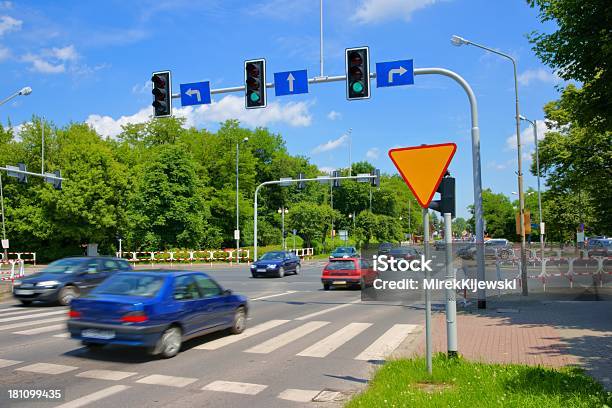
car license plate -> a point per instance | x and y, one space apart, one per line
339 282
261 269
98 334
24 292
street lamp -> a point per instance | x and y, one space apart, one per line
282 211
23 92
237 231
459 41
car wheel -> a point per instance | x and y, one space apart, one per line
326 286
169 343
67 293
281 272
25 302
240 319
297 269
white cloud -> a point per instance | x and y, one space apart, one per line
6 5
230 107
540 74
67 53
333 115
4 53
41 65
8 23
527 135
376 11
373 153
326 169
142 88
331 144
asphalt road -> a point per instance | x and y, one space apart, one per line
302 343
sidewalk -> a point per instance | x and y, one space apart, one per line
548 330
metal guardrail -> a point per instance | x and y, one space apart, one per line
216 255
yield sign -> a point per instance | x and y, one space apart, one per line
422 168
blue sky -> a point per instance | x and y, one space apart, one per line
91 61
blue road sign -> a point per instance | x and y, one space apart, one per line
291 82
196 93
394 73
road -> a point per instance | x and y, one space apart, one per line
302 343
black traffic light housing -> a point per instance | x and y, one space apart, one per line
255 84
357 61
336 182
446 203
376 180
301 184
162 94
22 178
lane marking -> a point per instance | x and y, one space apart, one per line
331 309
93 397
275 295
171 381
387 343
62 335
286 338
106 375
235 387
22 311
323 347
30 316
224 341
46 368
43 329
6 363
292 394
32 323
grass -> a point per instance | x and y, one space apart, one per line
459 383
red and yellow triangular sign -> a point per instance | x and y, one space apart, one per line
422 167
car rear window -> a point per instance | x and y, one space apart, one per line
338 265
130 285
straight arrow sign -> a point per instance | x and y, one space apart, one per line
290 79
291 82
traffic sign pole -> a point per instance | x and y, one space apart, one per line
451 302
428 346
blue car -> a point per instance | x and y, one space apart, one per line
158 310
276 263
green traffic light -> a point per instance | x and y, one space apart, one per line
254 97
357 87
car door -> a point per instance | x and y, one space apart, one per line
186 293
90 275
217 309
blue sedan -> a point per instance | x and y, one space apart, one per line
157 310
276 263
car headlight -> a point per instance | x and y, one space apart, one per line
271 266
48 283
253 266
16 282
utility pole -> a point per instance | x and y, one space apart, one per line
350 140
5 256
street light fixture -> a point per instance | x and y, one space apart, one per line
26 90
237 231
459 41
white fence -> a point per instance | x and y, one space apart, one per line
14 269
29 257
215 255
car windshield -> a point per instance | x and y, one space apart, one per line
337 265
606 242
273 256
496 243
130 285
63 266
342 250
403 251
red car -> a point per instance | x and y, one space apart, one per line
347 272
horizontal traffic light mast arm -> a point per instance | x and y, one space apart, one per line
29 173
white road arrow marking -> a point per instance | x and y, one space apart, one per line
290 78
195 92
401 71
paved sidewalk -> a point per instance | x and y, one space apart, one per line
542 330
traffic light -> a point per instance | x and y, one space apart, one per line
22 178
162 94
301 184
255 83
357 73
336 182
446 203
376 180
57 184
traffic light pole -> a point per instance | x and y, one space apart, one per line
29 173
476 162
451 303
428 346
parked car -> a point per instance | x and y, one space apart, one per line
276 263
347 272
599 247
157 310
494 248
66 279
407 253
384 248
344 252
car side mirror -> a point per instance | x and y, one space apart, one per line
227 292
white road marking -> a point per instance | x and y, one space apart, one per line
62 335
292 394
30 316
286 338
45 368
323 347
93 397
235 387
224 341
6 363
387 343
28 310
168 380
43 329
275 295
32 323
331 309
106 374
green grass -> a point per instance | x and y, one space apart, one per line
459 383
